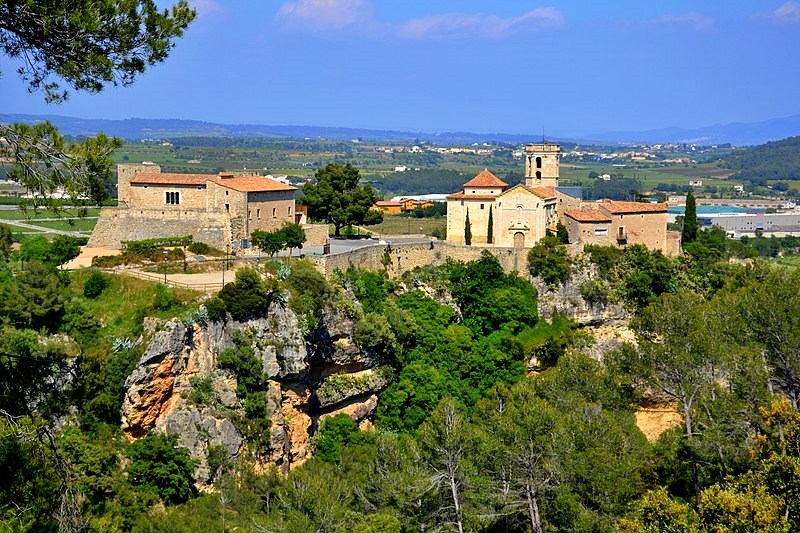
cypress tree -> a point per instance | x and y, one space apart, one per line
467 231
690 227
490 230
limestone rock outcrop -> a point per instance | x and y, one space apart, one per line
177 387
565 299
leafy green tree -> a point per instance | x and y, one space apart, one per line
293 235
6 240
467 230
247 296
88 46
337 198
548 259
562 233
34 299
79 320
160 466
445 442
490 228
690 226
95 284
683 361
773 316
520 452
270 242
335 433
63 249
36 248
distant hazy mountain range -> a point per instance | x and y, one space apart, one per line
139 128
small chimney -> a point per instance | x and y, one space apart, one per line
226 175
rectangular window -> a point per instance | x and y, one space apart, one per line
258 214
273 212
601 231
228 209
172 198
289 210
481 206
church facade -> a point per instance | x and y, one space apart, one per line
495 214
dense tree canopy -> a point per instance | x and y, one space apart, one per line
87 46
337 198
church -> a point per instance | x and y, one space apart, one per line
502 216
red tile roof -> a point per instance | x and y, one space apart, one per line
543 192
251 184
462 196
582 215
166 178
620 208
486 179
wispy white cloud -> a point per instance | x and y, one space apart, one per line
693 21
458 25
788 13
359 16
207 8
327 14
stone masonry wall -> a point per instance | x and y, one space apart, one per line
316 234
115 226
405 257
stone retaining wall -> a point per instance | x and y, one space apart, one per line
115 225
400 258
316 234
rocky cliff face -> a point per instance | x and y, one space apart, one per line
566 299
177 388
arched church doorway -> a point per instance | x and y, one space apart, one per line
519 240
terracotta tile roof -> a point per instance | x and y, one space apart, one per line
251 184
582 215
486 179
543 192
166 178
620 208
462 196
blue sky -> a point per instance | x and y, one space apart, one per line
570 67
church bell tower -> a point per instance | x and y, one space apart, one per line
542 164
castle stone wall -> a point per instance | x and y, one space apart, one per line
316 234
404 257
117 225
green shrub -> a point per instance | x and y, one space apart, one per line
548 260
594 291
199 248
160 466
218 457
336 432
202 390
164 299
95 284
215 308
248 296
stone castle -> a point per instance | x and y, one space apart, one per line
220 210
522 214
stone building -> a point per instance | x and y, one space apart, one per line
219 210
619 223
522 214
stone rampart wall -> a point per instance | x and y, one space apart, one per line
404 257
316 234
115 226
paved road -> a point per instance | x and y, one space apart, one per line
25 225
